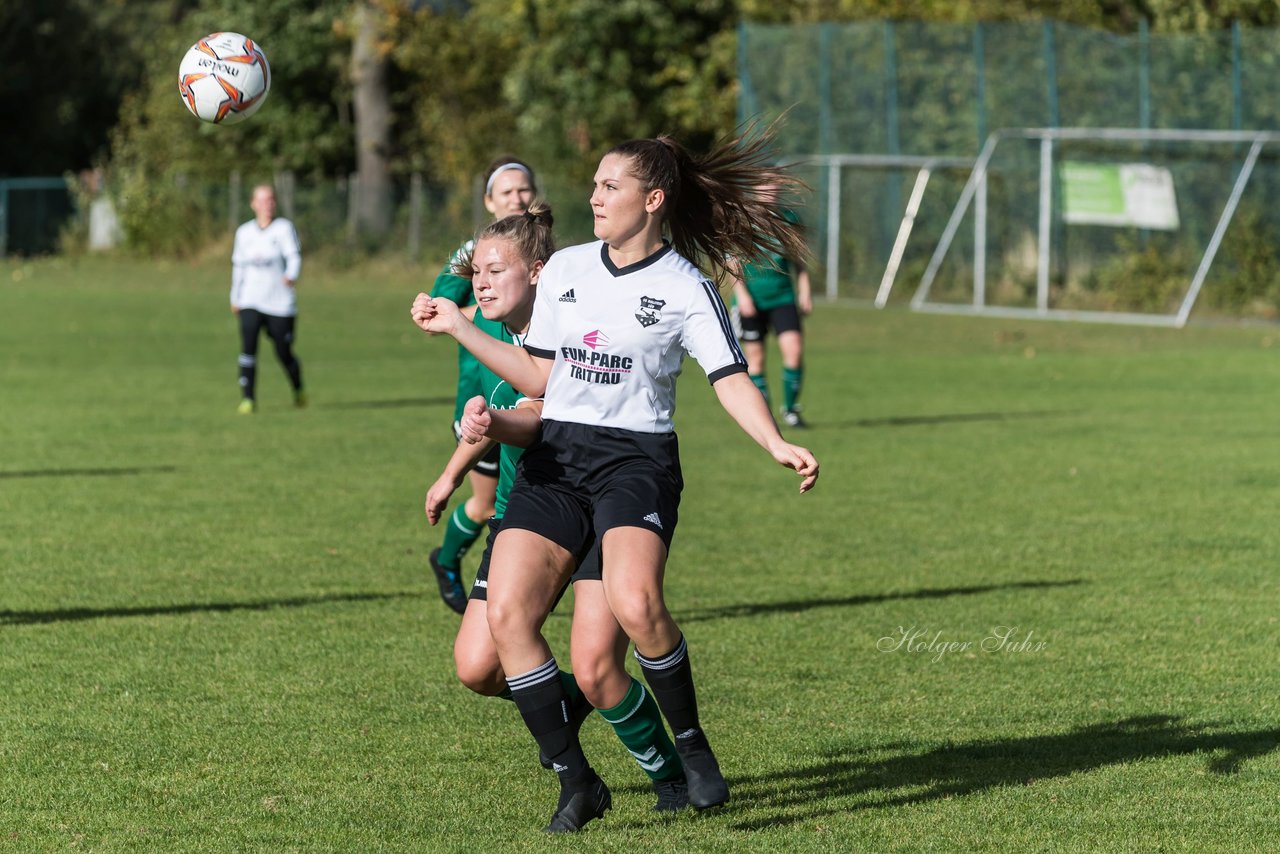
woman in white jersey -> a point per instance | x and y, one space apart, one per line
503 267
265 261
610 328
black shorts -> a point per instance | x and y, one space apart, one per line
488 465
589 567
784 318
578 482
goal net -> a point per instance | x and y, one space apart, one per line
1109 225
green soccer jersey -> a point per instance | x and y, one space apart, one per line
769 281
499 394
458 290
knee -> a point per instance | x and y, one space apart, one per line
641 614
593 678
479 670
480 675
479 509
509 617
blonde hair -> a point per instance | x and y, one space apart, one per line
529 232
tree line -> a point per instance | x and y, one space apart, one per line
437 87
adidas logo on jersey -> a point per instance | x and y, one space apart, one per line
568 296
653 519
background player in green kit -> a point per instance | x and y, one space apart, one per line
775 292
509 188
506 261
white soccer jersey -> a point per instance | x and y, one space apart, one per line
260 260
619 335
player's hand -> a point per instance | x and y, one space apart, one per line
435 315
475 421
800 460
438 497
805 303
235 309
288 282
746 306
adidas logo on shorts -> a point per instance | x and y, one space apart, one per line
568 296
653 519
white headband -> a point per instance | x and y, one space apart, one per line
505 167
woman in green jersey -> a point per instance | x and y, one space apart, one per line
773 293
509 188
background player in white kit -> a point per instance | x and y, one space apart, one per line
266 259
610 328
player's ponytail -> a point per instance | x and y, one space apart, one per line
723 204
530 232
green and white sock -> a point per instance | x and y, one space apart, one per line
459 534
792 381
639 726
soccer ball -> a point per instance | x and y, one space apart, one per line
224 78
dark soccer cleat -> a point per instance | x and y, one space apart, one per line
673 794
450 584
579 807
707 787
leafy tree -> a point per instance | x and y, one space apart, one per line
68 66
601 71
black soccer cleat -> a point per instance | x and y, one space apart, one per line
707 787
673 794
450 584
579 807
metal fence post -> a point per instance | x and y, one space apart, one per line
415 215
233 201
4 218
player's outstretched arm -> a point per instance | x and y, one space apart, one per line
464 459
744 403
436 315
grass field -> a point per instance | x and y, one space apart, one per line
218 632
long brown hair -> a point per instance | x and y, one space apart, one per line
723 204
530 232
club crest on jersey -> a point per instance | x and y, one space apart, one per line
650 311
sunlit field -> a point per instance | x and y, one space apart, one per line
1031 604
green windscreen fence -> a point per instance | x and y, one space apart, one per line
32 214
918 90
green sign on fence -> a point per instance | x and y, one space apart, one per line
1119 194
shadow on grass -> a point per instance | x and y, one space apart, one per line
393 403
115 472
20 618
862 779
946 418
755 609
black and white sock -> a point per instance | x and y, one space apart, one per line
546 707
670 679
248 373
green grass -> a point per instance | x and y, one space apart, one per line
218 632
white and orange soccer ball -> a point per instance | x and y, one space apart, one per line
224 78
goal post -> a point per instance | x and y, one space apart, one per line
1102 152
861 219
